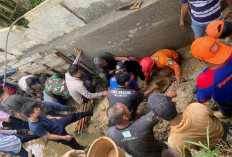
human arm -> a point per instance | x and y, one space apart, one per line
58 137
10 73
8 132
149 120
175 66
80 90
121 58
134 84
204 89
149 91
79 53
171 93
78 153
184 10
5 119
53 117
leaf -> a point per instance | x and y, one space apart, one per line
207 131
181 153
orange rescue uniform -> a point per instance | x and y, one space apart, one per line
167 59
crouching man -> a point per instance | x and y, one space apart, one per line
191 125
53 128
137 137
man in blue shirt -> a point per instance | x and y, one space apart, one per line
216 80
114 84
202 13
52 128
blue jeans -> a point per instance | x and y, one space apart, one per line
52 107
199 30
225 108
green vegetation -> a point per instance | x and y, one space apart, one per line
5 12
220 150
9 3
34 3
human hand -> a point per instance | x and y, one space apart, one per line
79 52
7 120
177 82
17 69
68 138
79 153
111 71
105 93
171 93
182 23
155 86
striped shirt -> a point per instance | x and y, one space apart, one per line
204 11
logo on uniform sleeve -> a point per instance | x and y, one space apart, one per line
156 58
170 62
214 48
126 134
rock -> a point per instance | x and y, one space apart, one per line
185 95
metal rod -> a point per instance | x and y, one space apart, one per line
6 47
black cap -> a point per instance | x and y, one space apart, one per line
162 106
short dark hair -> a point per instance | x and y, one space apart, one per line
73 69
1 90
43 78
115 114
31 81
122 77
162 106
227 30
28 108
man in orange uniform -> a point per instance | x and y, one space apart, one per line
163 59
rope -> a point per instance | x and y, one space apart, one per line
5 64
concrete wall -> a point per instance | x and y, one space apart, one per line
94 27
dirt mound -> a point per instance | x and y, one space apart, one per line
100 119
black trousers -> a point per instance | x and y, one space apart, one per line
16 123
66 120
87 79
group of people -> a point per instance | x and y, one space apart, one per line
40 99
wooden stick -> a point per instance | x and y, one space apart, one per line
91 118
80 121
83 119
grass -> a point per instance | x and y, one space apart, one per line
221 149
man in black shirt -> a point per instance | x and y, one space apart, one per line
128 97
137 137
134 68
106 65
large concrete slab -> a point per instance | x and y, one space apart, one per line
130 33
